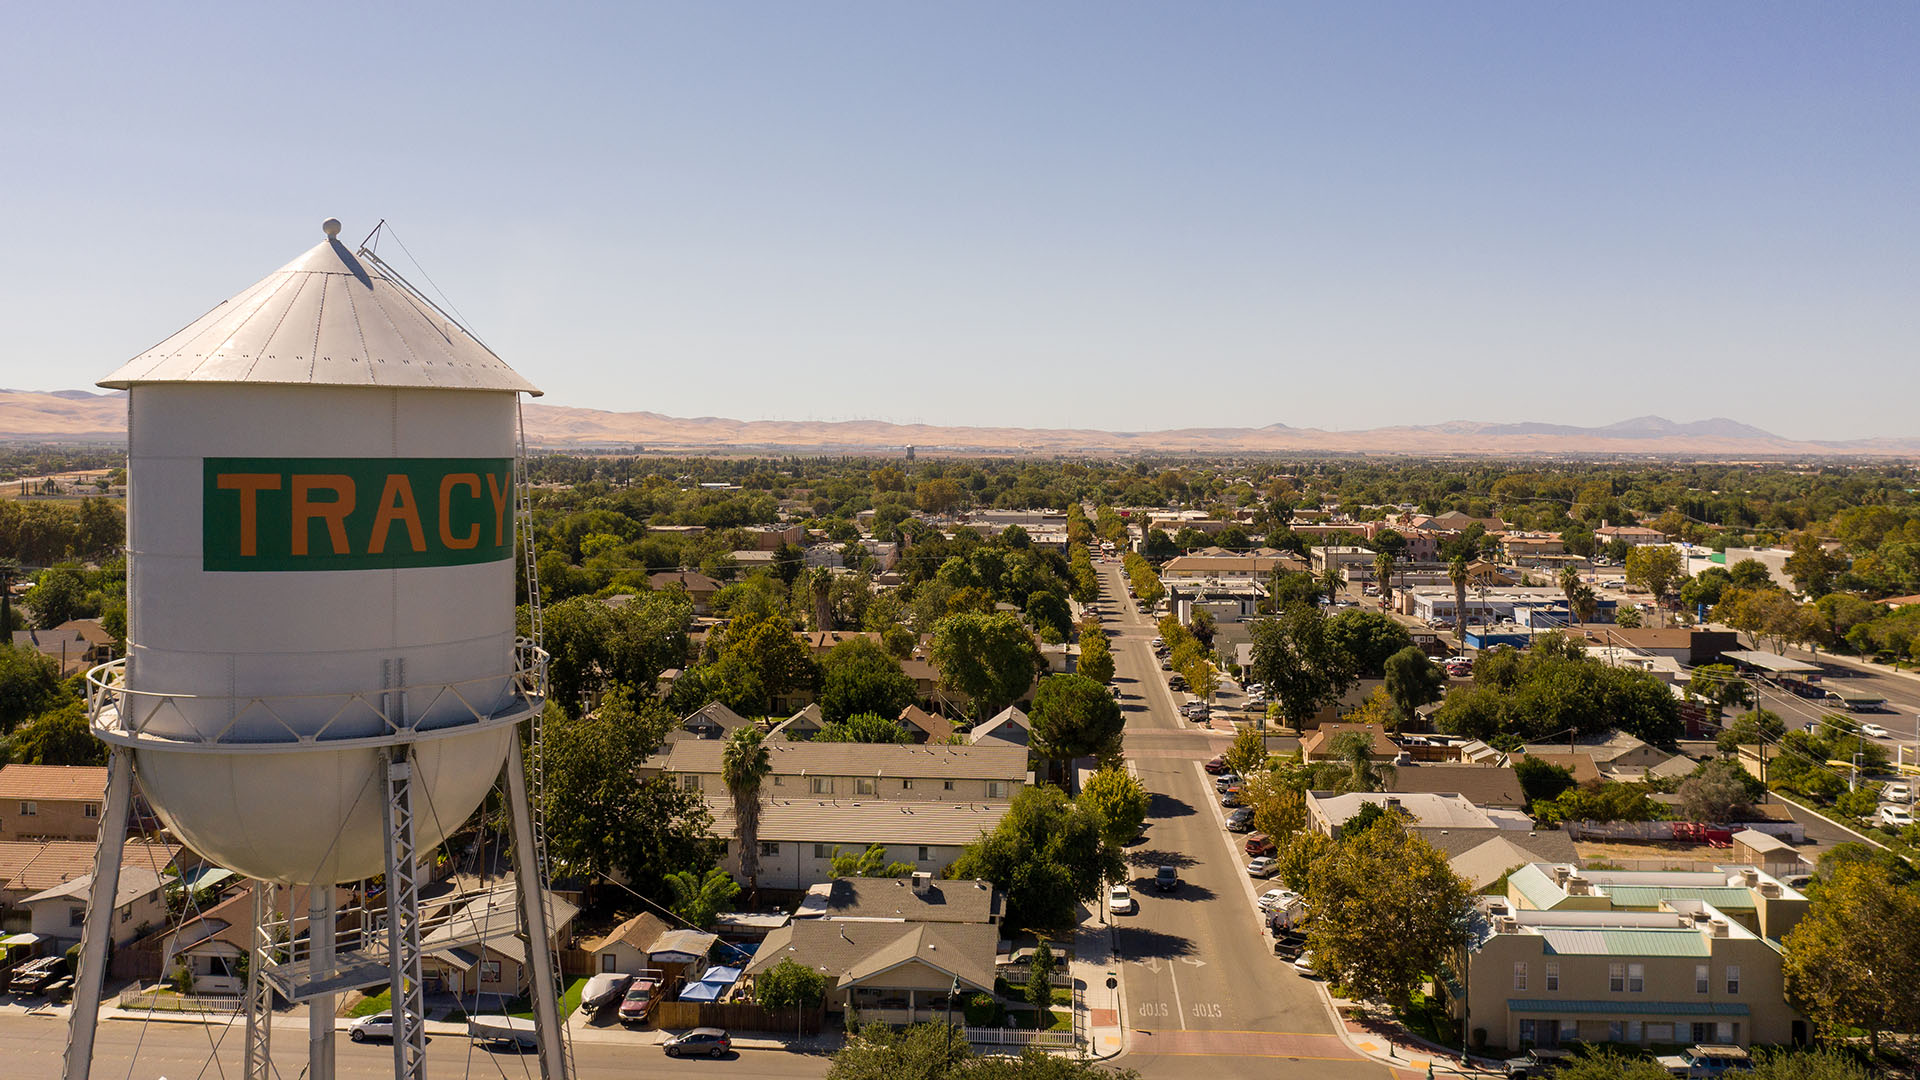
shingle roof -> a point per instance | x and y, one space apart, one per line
1482 785
1493 856
135 882
33 865
848 952
938 728
858 824
981 762
637 932
54 782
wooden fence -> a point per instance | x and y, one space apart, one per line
736 1016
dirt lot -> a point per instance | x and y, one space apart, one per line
1641 855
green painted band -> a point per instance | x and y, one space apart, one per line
294 514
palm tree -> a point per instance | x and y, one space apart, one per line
743 765
1569 582
1330 583
1583 602
1383 570
1457 573
821 584
1355 750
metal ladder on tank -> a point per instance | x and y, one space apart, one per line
536 734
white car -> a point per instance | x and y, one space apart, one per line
1899 792
1264 866
1274 899
379 1026
1120 900
1896 817
1304 963
1873 731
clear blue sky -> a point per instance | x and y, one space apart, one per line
1099 215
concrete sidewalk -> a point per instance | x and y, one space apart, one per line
1092 966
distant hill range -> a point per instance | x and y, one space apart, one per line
81 416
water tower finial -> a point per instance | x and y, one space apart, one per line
331 227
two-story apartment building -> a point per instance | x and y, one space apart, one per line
922 804
1666 965
51 802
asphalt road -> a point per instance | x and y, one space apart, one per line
31 1048
1203 992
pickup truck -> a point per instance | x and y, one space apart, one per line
34 976
1535 1063
1706 1061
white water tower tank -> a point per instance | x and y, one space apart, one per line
320 536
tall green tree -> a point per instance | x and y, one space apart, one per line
744 765
697 898
1412 681
1047 854
1299 662
1247 754
990 658
60 594
1368 638
1119 800
872 862
1458 573
1386 912
860 676
1074 717
1383 574
1853 960
29 684
1656 568
864 728
58 737
789 984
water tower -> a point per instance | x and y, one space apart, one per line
322 676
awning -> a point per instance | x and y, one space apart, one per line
703 991
725 976
460 958
11 940
195 880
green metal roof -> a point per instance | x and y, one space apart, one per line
1724 897
1536 886
1613 941
1623 1007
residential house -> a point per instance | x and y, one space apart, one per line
1581 766
801 836
75 645
1499 855
1524 548
1010 727
473 947
887 972
33 866
1453 825
919 898
140 904
926 727
624 948
1454 521
1616 754
1221 565
801 726
1317 745
1482 785
51 802
211 945
711 721
698 586
989 772
1634 535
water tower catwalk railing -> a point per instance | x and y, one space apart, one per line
392 720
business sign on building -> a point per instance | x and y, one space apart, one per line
282 514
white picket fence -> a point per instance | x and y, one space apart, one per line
1045 1040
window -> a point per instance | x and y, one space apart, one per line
996 789
76 916
820 852
29 809
863 785
1569 1031
1520 975
126 913
91 810
1616 1031
490 971
609 963
820 785
1700 978
1617 977
946 785
923 856
1526 1032
689 782
777 782
1733 978
906 785
1636 978
1553 976
769 848
1702 1033
1634 1031
1726 1032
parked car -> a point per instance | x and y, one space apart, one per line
604 989
1706 1060
1218 764
1120 900
711 1042
1274 899
1873 731
378 1026
1287 944
1240 820
1304 964
1166 879
1230 798
1224 781
1264 866
1897 792
1896 817
1261 844
1536 1063
1178 682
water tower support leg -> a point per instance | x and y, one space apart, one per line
403 924
264 940
97 930
320 916
533 914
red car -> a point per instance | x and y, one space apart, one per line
1262 844
1218 765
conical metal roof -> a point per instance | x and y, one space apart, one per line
328 318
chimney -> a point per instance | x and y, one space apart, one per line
922 883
